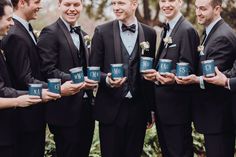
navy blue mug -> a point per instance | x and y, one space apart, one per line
145 63
54 85
77 75
35 89
182 69
164 66
117 71
208 68
94 73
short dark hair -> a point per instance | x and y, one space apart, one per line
4 3
15 2
61 1
214 3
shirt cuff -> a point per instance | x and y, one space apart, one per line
201 83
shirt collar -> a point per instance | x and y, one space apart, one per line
66 23
134 22
22 21
173 21
210 26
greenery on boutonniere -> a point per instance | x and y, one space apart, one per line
167 41
144 46
200 49
87 40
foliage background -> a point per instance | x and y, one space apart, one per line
97 12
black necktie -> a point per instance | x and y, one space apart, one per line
75 29
131 28
32 31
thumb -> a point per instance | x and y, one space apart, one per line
217 70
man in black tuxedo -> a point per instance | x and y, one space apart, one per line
212 104
173 101
61 46
9 97
24 68
122 105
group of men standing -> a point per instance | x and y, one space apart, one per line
122 106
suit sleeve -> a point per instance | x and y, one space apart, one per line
97 53
17 53
48 50
232 84
188 49
231 72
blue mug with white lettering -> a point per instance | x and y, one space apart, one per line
54 85
117 71
208 68
182 69
94 73
164 66
35 89
145 63
77 75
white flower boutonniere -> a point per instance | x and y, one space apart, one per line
87 40
201 49
167 41
145 46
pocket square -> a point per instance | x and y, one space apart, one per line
173 45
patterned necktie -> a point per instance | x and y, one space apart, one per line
131 28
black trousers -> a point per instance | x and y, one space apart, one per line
125 136
30 143
75 141
7 151
175 140
220 145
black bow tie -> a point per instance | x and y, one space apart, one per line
131 28
74 29
167 27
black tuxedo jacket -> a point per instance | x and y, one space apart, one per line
173 101
59 54
232 84
24 68
212 106
106 50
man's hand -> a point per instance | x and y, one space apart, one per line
220 79
69 88
47 96
191 79
150 75
116 82
27 100
168 78
90 84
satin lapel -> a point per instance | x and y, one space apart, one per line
87 53
158 51
66 32
20 26
141 37
172 35
117 46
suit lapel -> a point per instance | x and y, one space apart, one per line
22 28
141 37
73 49
117 45
87 53
172 35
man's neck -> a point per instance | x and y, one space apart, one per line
21 15
129 21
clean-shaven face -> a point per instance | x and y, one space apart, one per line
124 10
31 9
205 12
170 8
70 10
6 20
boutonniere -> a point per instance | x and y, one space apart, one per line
3 54
200 49
167 41
87 40
144 46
